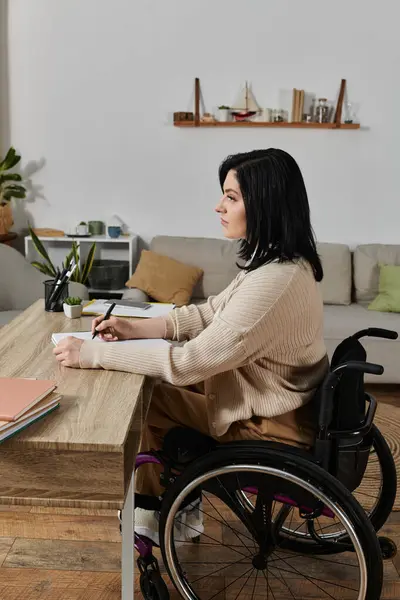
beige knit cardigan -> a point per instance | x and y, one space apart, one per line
258 346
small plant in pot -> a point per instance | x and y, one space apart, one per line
224 113
72 307
82 228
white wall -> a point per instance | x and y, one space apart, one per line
93 85
4 116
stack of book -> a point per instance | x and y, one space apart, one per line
297 106
24 401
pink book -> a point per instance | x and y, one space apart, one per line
18 395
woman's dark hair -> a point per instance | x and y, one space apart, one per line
277 209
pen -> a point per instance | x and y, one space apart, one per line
57 282
106 316
57 292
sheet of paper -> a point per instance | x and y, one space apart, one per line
87 335
99 307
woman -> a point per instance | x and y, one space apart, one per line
254 355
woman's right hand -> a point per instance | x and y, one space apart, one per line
113 329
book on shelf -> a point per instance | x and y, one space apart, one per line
297 105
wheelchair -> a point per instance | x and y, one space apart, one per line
273 521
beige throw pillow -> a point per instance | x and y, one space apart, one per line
164 279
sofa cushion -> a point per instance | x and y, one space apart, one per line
165 279
367 258
388 299
336 262
342 321
217 258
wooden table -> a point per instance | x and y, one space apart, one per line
81 455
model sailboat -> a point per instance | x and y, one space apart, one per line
246 105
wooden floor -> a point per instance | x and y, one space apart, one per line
67 554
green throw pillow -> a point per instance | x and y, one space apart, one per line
388 299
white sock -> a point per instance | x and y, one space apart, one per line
188 523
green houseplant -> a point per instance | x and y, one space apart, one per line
11 186
47 267
72 307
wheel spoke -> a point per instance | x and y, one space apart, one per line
234 581
219 570
224 522
214 540
281 579
312 579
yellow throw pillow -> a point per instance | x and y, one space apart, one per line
164 279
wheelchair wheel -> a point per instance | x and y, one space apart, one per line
376 495
377 492
241 551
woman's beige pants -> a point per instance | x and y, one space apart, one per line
173 406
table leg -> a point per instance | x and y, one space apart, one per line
128 551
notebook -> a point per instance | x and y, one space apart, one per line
87 335
18 395
10 428
100 307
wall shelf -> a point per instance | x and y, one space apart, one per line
282 125
197 122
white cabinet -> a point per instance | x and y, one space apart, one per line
122 248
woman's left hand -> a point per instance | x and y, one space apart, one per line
67 352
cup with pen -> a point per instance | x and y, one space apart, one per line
56 290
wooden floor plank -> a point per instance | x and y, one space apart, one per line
5 546
71 556
59 527
46 510
35 584
9 508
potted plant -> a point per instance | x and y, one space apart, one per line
224 113
10 187
82 228
80 275
72 307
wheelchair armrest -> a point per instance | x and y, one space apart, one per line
365 426
329 385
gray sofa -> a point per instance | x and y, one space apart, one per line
21 284
350 283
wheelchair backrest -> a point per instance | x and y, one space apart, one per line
349 403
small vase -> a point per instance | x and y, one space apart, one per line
96 227
72 311
6 218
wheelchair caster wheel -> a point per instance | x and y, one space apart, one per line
153 586
388 548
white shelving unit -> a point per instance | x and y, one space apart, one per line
122 248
